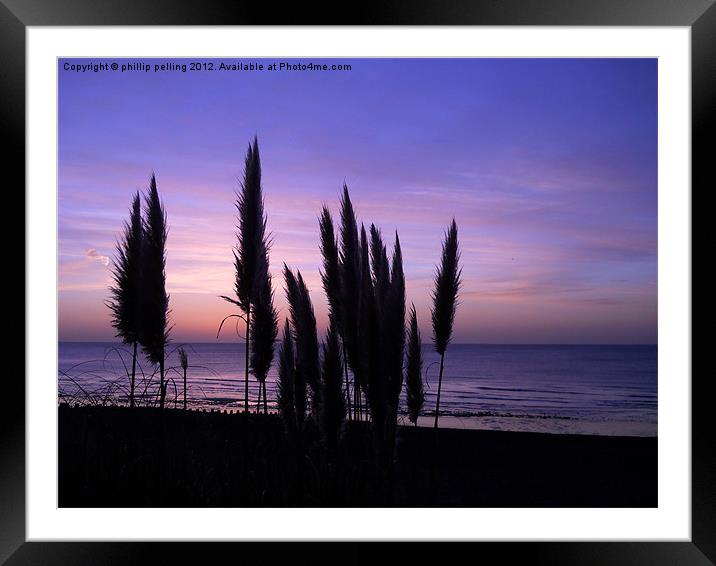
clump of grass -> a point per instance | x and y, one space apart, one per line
370 295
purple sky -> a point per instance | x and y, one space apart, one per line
548 165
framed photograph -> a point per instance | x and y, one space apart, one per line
420 276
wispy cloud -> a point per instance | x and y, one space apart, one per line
94 255
554 193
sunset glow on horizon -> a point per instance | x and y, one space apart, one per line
549 167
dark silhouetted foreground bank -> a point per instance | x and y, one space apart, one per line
143 457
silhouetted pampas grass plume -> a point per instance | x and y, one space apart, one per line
155 300
331 279
445 297
264 329
184 363
415 395
395 333
368 335
305 335
384 318
126 293
381 267
291 398
330 276
376 310
332 408
350 291
291 414
251 236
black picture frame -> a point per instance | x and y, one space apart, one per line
699 15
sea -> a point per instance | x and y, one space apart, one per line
558 389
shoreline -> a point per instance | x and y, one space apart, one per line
544 425
540 424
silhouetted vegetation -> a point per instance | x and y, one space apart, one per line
184 363
264 329
250 255
365 291
414 393
120 457
384 318
305 338
126 293
291 412
332 406
395 334
351 296
445 295
316 451
331 279
155 328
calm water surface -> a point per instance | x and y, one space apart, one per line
559 389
